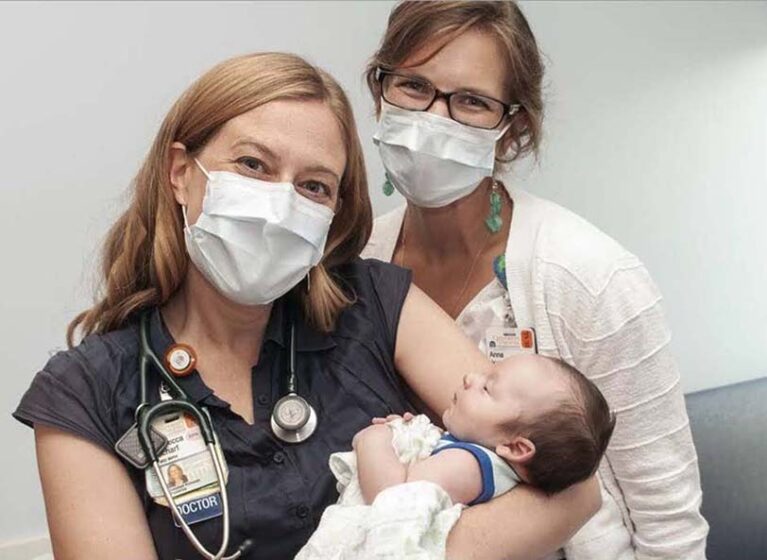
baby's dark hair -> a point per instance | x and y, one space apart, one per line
571 438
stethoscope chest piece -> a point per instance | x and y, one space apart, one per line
293 419
180 360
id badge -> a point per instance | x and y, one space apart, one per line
188 469
195 510
502 342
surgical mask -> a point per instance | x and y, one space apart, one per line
432 160
255 240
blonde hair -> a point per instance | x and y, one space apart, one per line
144 259
413 24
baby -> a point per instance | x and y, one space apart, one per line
530 419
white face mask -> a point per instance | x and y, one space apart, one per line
255 240
432 160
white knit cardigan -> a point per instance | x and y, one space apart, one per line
594 305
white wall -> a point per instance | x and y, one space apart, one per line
657 133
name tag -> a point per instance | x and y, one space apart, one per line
502 342
185 464
200 509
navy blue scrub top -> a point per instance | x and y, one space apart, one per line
277 491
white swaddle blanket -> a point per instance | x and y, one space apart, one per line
408 521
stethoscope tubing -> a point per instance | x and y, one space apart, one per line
144 416
145 413
185 526
148 414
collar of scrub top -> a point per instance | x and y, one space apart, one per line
308 339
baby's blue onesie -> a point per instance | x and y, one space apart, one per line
497 475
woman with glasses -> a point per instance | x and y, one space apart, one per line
457 87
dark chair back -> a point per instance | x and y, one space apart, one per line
729 427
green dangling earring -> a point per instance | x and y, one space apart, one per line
388 188
494 222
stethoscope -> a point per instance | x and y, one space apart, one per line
293 420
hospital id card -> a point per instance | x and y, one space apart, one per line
502 342
185 463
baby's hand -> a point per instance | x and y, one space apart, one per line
372 432
407 417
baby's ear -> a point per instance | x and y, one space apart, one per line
519 450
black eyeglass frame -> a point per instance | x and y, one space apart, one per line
509 109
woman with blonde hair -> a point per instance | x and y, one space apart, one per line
237 259
176 476
457 87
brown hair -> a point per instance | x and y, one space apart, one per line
413 24
144 258
571 438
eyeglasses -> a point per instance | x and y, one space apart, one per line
417 94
